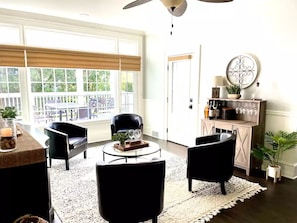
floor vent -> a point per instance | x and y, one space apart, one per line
155 134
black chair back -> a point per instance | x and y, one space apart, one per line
130 192
212 159
124 122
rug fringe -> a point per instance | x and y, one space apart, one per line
253 191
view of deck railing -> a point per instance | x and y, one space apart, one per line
11 101
50 107
72 107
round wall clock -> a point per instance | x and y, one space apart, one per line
242 70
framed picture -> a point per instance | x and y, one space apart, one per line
215 92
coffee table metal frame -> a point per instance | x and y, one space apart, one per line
109 149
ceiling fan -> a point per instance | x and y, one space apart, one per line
175 7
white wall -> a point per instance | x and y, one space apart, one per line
263 28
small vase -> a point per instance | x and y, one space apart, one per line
8 136
123 143
234 96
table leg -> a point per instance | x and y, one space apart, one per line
60 112
71 114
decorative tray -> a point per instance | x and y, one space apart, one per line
130 145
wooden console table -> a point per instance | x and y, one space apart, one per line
249 125
24 187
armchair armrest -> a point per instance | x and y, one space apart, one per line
56 135
204 154
58 142
71 129
207 139
77 131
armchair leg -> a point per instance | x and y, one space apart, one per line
223 188
67 164
190 184
50 162
85 154
155 219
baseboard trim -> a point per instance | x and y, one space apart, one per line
289 170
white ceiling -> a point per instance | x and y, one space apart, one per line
151 17
145 17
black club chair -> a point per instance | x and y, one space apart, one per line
66 140
212 159
124 122
130 192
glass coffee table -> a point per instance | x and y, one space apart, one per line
109 149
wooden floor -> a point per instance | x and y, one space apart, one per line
278 204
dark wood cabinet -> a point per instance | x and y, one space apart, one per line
24 181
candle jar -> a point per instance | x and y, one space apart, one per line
8 136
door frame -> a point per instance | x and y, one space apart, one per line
196 71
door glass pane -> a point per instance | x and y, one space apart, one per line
127 91
10 89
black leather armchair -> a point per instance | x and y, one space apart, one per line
212 159
66 140
130 192
124 122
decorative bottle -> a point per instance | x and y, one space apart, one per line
211 111
255 96
206 111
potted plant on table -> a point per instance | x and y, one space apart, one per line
278 142
8 112
121 137
8 130
233 91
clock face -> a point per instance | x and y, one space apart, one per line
242 70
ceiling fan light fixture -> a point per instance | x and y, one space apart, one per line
172 4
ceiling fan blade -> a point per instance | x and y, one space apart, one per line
216 1
136 3
179 11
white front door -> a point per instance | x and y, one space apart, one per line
183 100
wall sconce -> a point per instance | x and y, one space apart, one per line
216 83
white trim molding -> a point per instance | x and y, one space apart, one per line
287 121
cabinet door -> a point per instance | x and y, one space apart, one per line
207 127
243 148
25 191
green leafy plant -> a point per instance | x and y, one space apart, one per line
278 143
120 136
233 89
8 112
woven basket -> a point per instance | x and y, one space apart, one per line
30 219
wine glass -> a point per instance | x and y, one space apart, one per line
131 134
137 134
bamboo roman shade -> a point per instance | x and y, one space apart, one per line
12 56
42 57
131 63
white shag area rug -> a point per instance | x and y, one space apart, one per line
74 192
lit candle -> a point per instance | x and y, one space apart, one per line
6 132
